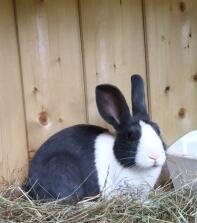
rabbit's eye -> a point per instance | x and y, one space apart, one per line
133 135
129 135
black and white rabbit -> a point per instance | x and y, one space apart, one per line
84 160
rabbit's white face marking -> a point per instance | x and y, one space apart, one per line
150 150
112 175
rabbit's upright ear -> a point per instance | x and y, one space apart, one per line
112 105
138 97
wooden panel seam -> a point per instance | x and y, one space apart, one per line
147 70
83 61
21 72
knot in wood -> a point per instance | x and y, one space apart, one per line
182 112
43 118
195 77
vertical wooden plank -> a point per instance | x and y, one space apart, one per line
172 53
51 65
113 46
13 147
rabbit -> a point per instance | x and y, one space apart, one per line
87 160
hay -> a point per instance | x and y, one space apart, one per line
171 206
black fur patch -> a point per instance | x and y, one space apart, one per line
64 165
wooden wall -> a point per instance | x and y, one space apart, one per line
54 53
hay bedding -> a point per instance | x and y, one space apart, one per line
171 206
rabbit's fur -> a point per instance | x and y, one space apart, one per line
84 160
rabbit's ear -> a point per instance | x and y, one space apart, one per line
138 97
112 105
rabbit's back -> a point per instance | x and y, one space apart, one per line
65 165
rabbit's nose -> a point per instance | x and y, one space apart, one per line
153 157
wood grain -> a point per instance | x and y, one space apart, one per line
13 147
113 44
172 54
51 66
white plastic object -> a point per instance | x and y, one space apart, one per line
182 161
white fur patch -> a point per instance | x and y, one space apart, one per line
112 176
150 145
